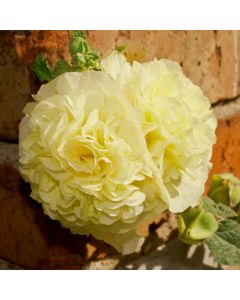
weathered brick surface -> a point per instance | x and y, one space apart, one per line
31 240
209 58
226 152
17 82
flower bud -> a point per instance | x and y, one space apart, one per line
196 225
225 188
78 59
78 44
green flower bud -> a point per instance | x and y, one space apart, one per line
78 33
78 60
196 225
92 60
94 55
225 188
83 58
78 43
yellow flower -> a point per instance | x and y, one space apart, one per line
84 154
105 151
177 123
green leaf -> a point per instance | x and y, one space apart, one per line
43 69
219 210
61 67
225 243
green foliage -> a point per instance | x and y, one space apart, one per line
61 67
83 58
225 243
216 223
219 210
42 69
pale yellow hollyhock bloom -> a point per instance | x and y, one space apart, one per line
177 123
83 151
105 151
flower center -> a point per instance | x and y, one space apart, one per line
80 157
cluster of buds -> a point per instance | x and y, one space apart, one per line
83 58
